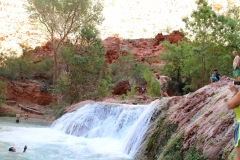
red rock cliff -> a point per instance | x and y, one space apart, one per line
27 92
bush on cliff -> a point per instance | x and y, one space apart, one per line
16 68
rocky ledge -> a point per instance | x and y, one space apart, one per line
199 120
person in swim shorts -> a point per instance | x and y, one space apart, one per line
234 104
163 83
17 118
236 66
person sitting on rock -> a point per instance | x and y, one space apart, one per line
215 76
12 149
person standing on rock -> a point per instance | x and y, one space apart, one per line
163 83
234 104
236 66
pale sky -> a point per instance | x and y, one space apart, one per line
129 19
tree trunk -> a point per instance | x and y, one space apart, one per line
55 60
55 68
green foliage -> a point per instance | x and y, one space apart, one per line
64 18
13 68
195 154
153 87
84 76
215 35
212 38
132 92
44 69
231 156
2 94
8 114
180 66
123 97
126 68
160 137
104 86
174 149
165 143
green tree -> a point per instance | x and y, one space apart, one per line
213 37
200 26
16 67
127 68
63 19
178 65
84 64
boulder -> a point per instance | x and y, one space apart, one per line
121 87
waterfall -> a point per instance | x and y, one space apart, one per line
126 123
134 138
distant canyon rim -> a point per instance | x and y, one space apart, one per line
124 19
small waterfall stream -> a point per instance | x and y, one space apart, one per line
124 123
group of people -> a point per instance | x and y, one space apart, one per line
215 77
12 149
18 117
234 103
236 70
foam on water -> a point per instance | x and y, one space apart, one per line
93 132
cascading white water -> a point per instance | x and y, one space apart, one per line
134 138
99 132
125 123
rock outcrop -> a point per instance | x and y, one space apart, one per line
203 119
112 46
142 49
43 51
27 92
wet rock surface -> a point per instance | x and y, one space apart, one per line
202 116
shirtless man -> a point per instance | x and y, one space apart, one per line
236 67
17 118
163 83
26 116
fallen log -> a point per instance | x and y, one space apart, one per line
29 110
